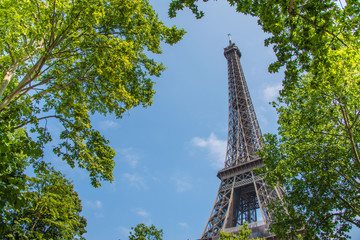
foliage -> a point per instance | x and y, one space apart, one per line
12 166
316 155
63 61
243 234
51 209
143 232
68 59
301 32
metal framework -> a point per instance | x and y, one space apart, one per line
243 195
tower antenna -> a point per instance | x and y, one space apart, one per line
229 35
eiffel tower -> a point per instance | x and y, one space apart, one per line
243 195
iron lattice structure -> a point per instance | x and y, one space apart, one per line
243 195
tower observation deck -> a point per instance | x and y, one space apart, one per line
243 195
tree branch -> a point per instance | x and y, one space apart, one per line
10 52
40 45
52 23
351 137
325 133
10 73
349 206
37 219
352 181
26 90
291 6
293 12
42 118
341 215
32 74
356 223
356 118
37 67
6 80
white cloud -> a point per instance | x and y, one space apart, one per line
142 213
145 218
107 124
215 146
271 92
94 204
184 224
135 180
183 183
130 157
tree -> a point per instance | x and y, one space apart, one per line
12 166
51 209
316 155
66 61
69 59
143 232
243 234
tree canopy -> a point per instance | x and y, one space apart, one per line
143 232
70 59
243 234
316 157
51 209
316 153
67 60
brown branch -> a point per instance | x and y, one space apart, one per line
341 215
311 22
7 78
52 23
32 74
63 54
342 7
64 86
356 118
345 202
293 12
26 90
10 52
37 219
42 118
351 180
351 137
291 6
325 133
349 206
63 34
351 221
35 70
11 72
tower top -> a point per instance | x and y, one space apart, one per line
244 137
231 48
229 35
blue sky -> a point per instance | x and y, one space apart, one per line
168 154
